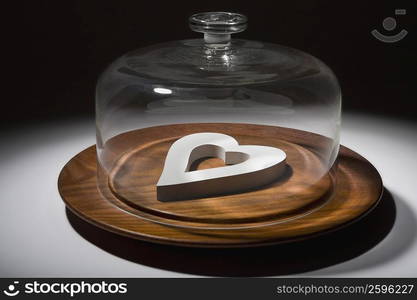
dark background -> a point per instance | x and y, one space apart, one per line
61 47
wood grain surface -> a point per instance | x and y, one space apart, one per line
306 201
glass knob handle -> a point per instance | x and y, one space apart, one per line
218 26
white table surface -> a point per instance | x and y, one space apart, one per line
46 245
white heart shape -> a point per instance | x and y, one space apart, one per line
247 167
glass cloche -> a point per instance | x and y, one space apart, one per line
217 132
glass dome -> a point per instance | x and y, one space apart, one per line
258 93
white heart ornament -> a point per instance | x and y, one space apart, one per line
247 167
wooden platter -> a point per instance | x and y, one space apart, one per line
119 194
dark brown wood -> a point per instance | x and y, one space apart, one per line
133 180
305 202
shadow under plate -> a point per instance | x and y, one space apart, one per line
283 259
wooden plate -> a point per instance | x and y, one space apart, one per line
305 202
